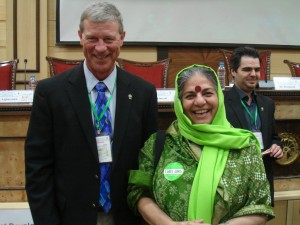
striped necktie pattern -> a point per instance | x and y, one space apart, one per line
105 128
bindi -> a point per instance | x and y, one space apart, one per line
197 88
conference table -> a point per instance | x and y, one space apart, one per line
14 119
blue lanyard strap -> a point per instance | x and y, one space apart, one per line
98 118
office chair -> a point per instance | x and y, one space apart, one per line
294 67
154 72
58 65
8 71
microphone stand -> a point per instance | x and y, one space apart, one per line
25 63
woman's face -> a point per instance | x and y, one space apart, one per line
200 99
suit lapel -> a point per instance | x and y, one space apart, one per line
78 95
262 112
237 108
124 98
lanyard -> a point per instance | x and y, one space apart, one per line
249 113
98 118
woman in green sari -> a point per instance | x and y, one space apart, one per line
208 172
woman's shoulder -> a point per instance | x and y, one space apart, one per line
250 152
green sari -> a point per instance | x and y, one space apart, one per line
242 190
217 139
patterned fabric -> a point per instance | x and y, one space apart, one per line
217 138
100 103
105 127
242 190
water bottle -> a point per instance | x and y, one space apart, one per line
32 82
221 74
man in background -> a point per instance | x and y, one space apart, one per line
66 136
248 110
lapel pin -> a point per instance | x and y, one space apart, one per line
262 109
130 96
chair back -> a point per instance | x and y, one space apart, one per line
154 72
8 71
294 67
265 64
58 65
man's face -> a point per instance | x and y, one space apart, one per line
101 43
247 75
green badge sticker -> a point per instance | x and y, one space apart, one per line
173 171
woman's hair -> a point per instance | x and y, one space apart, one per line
101 12
187 74
238 53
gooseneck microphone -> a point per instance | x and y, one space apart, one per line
25 63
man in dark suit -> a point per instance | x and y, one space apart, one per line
248 110
61 155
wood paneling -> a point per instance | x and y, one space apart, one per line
280 213
13 196
12 126
278 68
27 35
2 9
287 110
185 56
12 173
2 33
289 184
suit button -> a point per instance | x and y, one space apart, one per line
96 176
94 205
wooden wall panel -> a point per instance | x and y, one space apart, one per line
13 196
51 10
2 9
287 184
13 126
12 163
3 30
27 45
2 53
185 56
287 110
280 213
278 68
3 33
293 213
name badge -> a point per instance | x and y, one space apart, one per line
173 171
104 148
258 135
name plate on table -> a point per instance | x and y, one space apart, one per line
15 213
16 217
286 83
16 96
165 95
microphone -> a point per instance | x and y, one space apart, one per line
25 63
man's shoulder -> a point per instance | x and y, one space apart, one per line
231 93
264 98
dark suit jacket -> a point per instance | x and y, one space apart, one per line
266 109
62 167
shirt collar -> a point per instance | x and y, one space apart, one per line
91 80
243 95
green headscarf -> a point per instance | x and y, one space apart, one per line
217 139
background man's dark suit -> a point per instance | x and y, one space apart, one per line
62 167
266 109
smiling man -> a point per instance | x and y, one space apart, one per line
248 110
86 129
